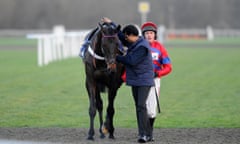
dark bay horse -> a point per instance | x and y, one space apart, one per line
102 71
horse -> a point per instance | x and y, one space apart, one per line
103 72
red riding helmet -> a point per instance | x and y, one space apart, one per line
149 26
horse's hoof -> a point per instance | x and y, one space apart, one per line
104 129
102 136
90 138
111 137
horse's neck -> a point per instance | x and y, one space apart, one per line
97 47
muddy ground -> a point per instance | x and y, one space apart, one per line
123 136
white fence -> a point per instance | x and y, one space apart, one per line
58 45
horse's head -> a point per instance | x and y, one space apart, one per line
110 44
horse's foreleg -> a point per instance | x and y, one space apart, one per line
99 105
92 109
109 120
110 114
92 114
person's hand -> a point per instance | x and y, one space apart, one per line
106 20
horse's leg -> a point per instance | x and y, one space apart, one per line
99 105
92 109
110 113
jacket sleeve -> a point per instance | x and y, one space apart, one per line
166 69
121 36
166 66
133 58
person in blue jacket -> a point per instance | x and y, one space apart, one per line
139 74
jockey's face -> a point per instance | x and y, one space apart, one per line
149 36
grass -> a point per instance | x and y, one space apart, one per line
17 41
216 41
202 91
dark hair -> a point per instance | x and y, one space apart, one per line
130 30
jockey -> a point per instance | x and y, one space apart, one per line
161 60
162 67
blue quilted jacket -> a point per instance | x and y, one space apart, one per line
138 63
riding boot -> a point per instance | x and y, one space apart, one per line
151 120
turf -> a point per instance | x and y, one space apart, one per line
202 91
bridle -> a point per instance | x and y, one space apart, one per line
109 36
96 56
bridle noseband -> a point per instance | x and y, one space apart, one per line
109 36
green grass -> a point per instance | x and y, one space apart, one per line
202 91
17 41
216 41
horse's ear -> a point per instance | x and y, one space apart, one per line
118 27
100 25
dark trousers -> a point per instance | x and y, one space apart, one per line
140 94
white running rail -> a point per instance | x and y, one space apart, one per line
58 45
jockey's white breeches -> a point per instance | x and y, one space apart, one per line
151 102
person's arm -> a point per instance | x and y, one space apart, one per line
166 66
121 36
166 69
134 58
